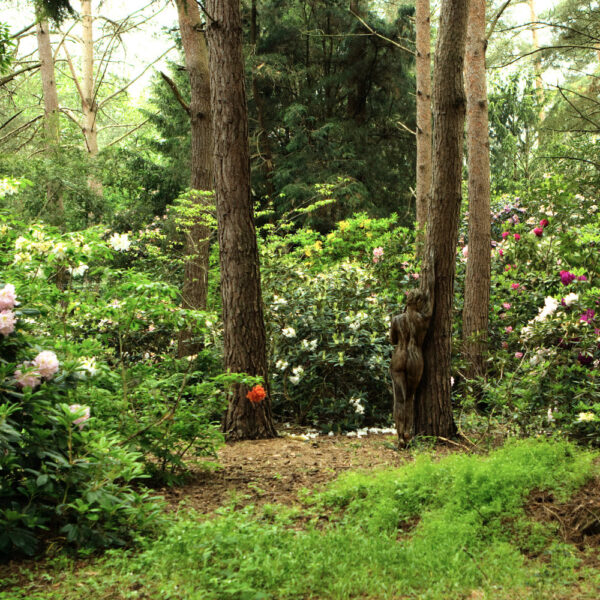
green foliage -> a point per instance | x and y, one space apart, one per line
330 300
468 533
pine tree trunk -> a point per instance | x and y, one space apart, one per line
434 407
477 281
244 334
195 282
423 60
51 109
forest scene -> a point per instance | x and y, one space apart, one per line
298 299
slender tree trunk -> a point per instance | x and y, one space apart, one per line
424 126
88 102
244 334
477 282
195 282
51 109
434 407
537 63
89 105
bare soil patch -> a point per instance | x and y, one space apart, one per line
269 471
578 519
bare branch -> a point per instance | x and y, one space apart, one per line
383 37
127 134
7 78
495 20
20 129
176 92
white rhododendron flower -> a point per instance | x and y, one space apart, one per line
8 297
120 243
289 332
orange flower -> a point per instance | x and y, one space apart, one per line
257 394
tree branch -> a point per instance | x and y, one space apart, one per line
495 20
10 77
176 92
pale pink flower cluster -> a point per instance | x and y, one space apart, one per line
8 297
377 254
44 366
8 321
77 408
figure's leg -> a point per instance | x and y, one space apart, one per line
399 386
408 429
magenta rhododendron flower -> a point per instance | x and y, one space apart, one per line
538 231
582 278
517 236
8 321
8 297
566 277
515 286
505 234
588 315
46 364
544 223
505 345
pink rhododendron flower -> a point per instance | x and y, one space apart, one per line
76 408
544 223
518 355
465 251
378 252
508 329
26 376
46 364
8 298
515 286
517 236
500 252
538 231
506 305
505 345
8 321
505 234
566 277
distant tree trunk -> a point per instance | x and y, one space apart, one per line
244 334
51 108
197 247
89 104
434 407
537 63
358 85
477 281
423 44
263 139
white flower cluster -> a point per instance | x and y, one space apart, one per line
309 345
571 298
282 365
120 243
298 372
288 332
549 308
359 409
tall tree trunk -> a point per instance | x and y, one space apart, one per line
195 282
424 127
89 105
244 334
537 63
477 282
434 407
51 108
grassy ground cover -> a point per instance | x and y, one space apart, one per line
434 529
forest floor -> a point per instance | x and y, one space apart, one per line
276 471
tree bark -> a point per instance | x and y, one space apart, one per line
244 334
51 108
197 247
424 126
477 281
434 407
